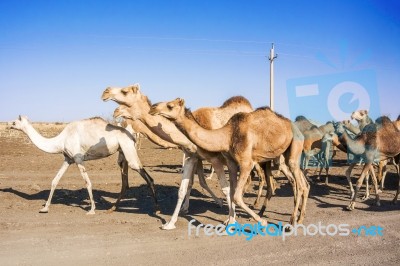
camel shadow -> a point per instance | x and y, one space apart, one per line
136 200
166 168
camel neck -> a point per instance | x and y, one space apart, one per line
210 140
353 145
167 131
49 145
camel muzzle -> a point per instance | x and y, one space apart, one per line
106 95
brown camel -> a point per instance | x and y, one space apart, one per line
247 139
379 141
139 106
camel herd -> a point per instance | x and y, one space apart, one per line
232 135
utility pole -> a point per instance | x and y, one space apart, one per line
271 58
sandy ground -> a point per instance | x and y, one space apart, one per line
132 235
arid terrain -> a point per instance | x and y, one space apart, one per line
132 235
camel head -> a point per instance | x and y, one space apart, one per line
359 115
339 127
346 123
20 123
172 110
328 137
125 95
124 112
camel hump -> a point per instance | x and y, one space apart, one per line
236 100
300 118
383 120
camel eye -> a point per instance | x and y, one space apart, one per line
169 107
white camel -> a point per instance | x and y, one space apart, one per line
85 140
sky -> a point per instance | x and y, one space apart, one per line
57 57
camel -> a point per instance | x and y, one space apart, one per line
382 171
323 156
316 143
139 106
379 141
247 139
85 140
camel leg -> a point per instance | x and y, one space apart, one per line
232 169
286 172
327 175
382 171
211 174
396 164
245 168
123 165
248 183
307 156
305 189
375 182
204 185
348 173
268 176
358 186
150 183
188 170
261 175
185 206
299 193
223 182
85 176
366 196
54 183
302 186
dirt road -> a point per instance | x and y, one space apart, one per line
132 235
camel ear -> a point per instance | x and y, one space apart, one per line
136 87
181 102
19 117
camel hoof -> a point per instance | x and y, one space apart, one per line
168 226
264 222
378 203
111 210
91 212
366 197
350 207
229 221
44 210
394 202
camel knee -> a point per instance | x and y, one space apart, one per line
293 165
135 165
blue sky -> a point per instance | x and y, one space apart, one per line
56 57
